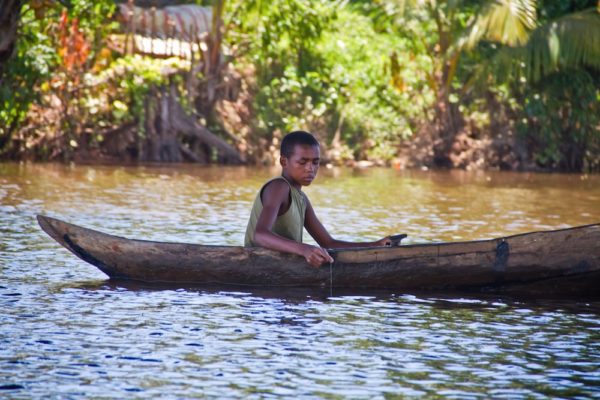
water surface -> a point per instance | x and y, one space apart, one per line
65 331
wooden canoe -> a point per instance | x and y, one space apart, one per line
565 261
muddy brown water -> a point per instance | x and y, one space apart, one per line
67 332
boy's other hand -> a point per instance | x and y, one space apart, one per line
316 256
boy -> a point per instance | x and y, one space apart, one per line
281 209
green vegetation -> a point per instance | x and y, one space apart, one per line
511 84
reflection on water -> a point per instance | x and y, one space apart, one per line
67 332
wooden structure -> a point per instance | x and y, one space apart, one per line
559 262
170 132
164 32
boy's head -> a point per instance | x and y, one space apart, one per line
300 157
292 139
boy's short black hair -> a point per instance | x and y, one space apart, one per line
296 137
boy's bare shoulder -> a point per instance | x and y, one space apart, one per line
277 189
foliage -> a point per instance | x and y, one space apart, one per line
507 22
122 87
555 76
292 80
520 48
325 68
64 67
33 62
55 47
379 85
364 75
561 120
570 41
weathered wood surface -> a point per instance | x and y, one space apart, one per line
552 262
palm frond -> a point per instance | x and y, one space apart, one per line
571 41
503 21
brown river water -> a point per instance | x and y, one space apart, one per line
68 332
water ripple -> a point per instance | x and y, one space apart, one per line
66 332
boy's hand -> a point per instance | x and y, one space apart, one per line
316 256
386 241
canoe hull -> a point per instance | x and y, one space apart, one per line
553 262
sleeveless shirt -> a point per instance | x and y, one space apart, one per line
289 225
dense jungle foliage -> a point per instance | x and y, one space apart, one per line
511 84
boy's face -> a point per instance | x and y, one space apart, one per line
303 164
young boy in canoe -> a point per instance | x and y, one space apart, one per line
281 209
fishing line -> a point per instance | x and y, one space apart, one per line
331 279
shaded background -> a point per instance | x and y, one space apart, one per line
459 84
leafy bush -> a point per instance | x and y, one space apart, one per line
54 49
561 121
379 81
323 68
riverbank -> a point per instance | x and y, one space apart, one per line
399 89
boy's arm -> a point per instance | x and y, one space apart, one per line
320 234
273 196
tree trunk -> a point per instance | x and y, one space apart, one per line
188 126
171 135
150 146
448 120
447 124
10 14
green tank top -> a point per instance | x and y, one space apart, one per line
288 225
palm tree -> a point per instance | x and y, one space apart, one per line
570 41
533 49
504 21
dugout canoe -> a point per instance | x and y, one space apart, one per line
564 261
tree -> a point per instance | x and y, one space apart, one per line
555 76
459 26
10 13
